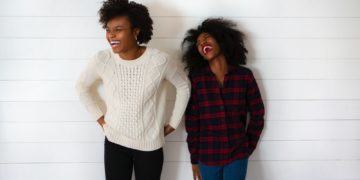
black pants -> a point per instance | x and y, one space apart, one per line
120 161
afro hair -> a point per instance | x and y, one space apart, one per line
230 40
138 15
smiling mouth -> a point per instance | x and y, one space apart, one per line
207 49
114 43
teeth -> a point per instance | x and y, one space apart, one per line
114 42
206 49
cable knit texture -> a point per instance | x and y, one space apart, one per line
134 96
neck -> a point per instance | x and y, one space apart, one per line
219 65
132 53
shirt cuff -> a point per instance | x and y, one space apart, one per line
96 112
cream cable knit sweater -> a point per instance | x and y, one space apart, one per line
134 110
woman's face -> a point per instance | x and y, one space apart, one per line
207 46
121 35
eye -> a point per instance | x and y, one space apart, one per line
118 30
198 43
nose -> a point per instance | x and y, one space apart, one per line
111 34
201 43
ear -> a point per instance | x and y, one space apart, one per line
136 33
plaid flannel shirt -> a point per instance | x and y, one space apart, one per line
216 117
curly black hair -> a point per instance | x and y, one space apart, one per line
230 40
138 16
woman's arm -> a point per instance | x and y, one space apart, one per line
87 94
177 76
257 111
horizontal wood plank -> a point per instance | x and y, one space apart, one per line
259 8
270 89
176 27
91 131
35 70
257 170
260 48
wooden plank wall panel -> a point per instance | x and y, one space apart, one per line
304 54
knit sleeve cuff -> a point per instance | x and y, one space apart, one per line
96 112
175 123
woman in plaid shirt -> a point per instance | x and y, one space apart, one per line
220 138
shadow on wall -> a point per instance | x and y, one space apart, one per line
156 8
160 13
255 167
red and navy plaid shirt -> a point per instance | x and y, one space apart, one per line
216 117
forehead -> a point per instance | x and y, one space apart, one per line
118 21
203 35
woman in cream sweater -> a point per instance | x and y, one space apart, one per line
132 75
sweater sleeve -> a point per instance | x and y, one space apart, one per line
84 86
176 76
192 126
256 108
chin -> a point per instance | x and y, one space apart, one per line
208 58
116 50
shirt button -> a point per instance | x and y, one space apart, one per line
222 107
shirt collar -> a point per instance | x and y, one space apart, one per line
231 69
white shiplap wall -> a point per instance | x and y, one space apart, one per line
305 55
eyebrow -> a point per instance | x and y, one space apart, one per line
107 27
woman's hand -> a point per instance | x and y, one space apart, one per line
168 129
196 172
101 121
